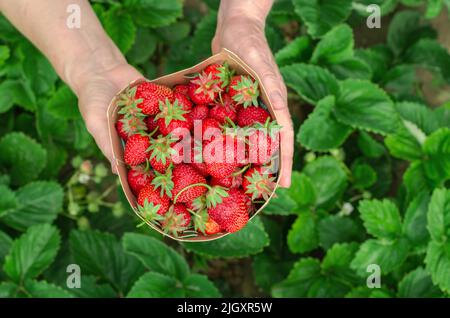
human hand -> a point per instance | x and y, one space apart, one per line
95 91
244 35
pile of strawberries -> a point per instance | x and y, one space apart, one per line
200 155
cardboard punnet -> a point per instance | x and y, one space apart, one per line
180 77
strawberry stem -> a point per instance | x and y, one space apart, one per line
188 187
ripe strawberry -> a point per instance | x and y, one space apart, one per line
152 125
220 73
258 183
173 119
223 155
184 175
136 149
251 115
129 125
183 89
149 199
151 94
199 112
232 213
176 220
211 227
211 127
128 102
232 181
201 168
244 90
161 152
203 89
139 177
224 109
185 103
263 142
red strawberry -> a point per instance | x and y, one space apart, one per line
199 112
232 213
225 109
149 198
136 149
139 177
211 227
258 183
211 127
203 89
152 125
251 115
129 125
176 220
183 89
233 181
244 90
161 152
220 72
184 175
151 94
262 144
223 155
173 119
201 168
185 103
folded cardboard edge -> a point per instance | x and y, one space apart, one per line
171 80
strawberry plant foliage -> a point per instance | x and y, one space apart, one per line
371 165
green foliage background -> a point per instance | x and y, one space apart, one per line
370 186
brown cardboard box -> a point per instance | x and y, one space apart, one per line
170 80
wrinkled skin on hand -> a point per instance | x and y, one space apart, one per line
245 36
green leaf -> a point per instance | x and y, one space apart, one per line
174 32
439 215
377 58
297 50
328 178
387 254
400 81
200 45
437 263
354 68
430 54
42 289
37 202
281 203
364 176
321 131
91 289
403 144
7 289
8 200
302 276
4 54
437 151
417 284
337 229
405 29
420 115
154 13
381 218
22 156
415 222
434 7
311 82
415 180
362 104
302 237
369 146
156 285
5 245
269 270
102 255
16 92
63 104
335 47
302 190
32 252
199 286
321 16
337 261
144 46
155 255
248 241
120 27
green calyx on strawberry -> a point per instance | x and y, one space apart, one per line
150 212
128 103
263 142
221 73
163 182
213 196
172 117
130 125
204 89
176 220
258 183
224 109
161 152
244 90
